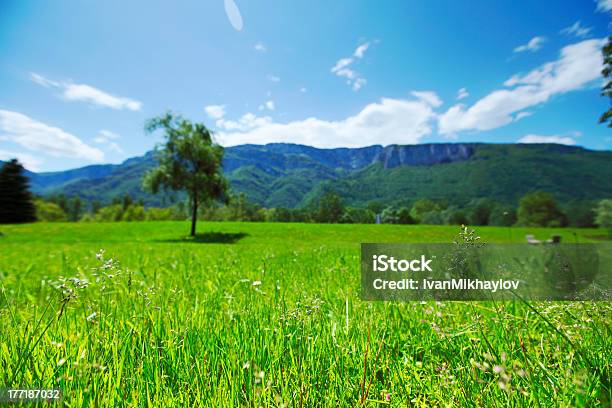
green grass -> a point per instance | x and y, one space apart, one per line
178 322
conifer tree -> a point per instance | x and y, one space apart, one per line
16 204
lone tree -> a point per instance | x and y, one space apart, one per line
16 205
189 160
606 117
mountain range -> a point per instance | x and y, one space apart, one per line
290 175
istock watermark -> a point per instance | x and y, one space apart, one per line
486 272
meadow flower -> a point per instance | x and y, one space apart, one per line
79 283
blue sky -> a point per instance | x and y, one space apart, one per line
78 79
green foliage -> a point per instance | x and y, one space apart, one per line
125 201
456 217
404 217
241 209
603 215
480 211
357 216
282 214
49 212
164 214
112 213
134 213
606 91
376 206
73 206
189 160
581 213
503 216
330 209
434 217
427 211
88 217
539 209
391 215
75 209
16 204
421 207
95 206
238 208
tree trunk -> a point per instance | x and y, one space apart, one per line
194 215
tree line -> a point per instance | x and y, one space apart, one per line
536 209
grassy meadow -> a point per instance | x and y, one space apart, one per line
268 314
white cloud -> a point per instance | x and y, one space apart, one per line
303 90
341 64
41 80
462 94
577 30
246 123
87 93
353 78
269 105
260 47
531 138
604 5
533 45
358 83
94 96
428 97
273 78
107 134
522 115
388 121
577 66
215 111
37 136
347 73
106 138
360 51
27 160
